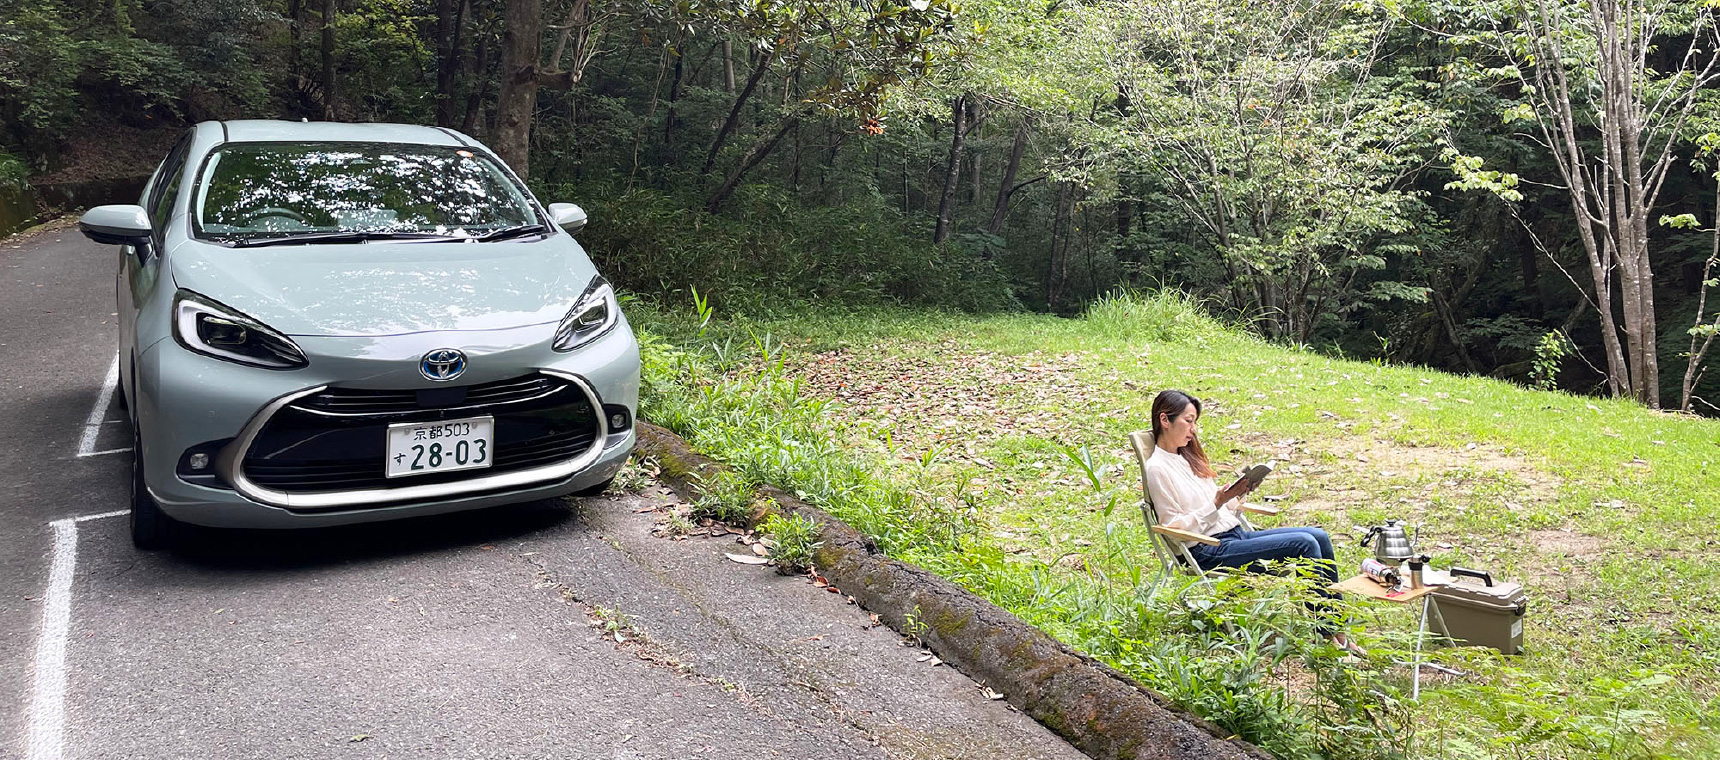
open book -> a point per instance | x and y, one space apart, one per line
1254 475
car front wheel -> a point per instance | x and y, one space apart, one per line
151 528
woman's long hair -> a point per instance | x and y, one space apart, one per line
1171 404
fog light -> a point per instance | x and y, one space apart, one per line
617 422
198 461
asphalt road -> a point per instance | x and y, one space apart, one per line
483 635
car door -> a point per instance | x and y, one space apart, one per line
139 265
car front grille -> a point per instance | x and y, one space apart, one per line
336 440
358 401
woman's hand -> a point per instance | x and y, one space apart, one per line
1236 490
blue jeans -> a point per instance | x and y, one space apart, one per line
1243 548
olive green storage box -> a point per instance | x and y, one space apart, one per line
1481 614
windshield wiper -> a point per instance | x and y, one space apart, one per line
342 237
508 233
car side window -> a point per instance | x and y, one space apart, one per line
167 188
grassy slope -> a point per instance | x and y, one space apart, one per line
1605 510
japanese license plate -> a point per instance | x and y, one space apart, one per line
419 448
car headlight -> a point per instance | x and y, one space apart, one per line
592 315
208 328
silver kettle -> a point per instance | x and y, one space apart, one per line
1392 544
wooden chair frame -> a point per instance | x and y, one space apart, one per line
1168 543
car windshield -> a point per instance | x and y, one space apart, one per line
350 192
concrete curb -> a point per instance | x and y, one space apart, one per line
1101 712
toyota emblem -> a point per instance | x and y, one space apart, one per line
443 364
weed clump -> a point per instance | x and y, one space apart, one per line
725 497
796 538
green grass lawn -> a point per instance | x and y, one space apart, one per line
1018 423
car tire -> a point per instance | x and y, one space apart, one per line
596 489
151 528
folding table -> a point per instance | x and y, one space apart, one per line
1362 585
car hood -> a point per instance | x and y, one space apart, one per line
370 289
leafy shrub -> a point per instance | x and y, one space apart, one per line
13 171
769 247
726 497
796 539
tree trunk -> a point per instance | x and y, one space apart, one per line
328 79
1128 257
1692 368
470 123
1053 268
447 60
754 155
1443 309
728 66
735 114
953 172
669 117
295 27
1006 186
522 26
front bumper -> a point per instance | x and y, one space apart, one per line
186 400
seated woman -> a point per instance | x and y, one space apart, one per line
1182 484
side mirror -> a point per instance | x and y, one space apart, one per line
567 216
116 225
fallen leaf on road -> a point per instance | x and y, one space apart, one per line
923 657
760 550
746 560
358 738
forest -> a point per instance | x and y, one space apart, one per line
1509 188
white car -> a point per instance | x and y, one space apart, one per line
325 323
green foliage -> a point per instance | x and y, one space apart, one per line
1552 348
1162 315
768 246
724 497
1275 128
39 62
383 58
757 421
796 540
13 170
1248 655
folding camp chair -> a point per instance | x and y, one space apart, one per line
1173 554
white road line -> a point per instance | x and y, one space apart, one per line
93 425
108 451
46 739
48 698
115 513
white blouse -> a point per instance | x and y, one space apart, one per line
1183 499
